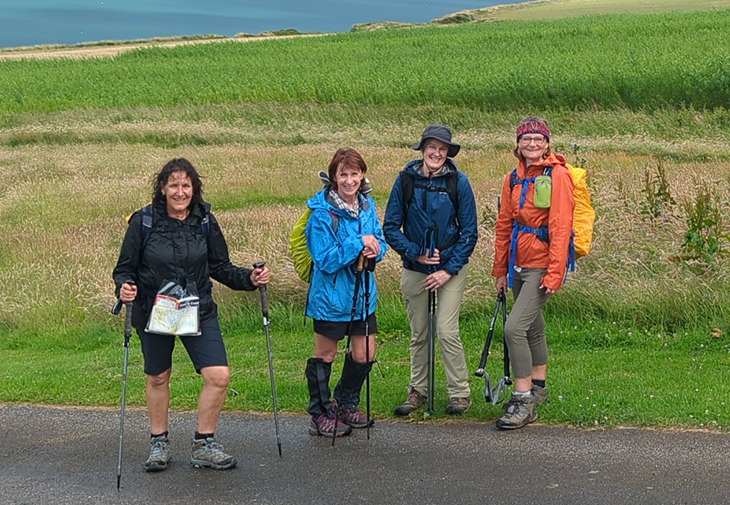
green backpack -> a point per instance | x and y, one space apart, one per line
298 251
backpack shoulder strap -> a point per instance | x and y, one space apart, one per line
452 180
205 224
406 186
148 216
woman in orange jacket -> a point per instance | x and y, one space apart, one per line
533 237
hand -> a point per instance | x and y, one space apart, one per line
260 276
548 291
501 284
424 259
436 280
128 292
371 247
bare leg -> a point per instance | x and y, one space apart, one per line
157 392
212 397
539 372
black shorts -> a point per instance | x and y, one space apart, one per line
337 330
206 349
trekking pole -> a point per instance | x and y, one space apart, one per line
481 372
501 387
267 322
431 351
116 309
358 273
366 280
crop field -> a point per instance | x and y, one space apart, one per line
639 100
627 61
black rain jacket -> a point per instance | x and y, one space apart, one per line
179 251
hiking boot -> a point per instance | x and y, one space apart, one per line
458 405
324 425
209 453
415 401
540 394
160 454
520 412
353 417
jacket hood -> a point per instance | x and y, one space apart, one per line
414 167
321 200
200 210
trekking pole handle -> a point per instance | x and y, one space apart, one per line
117 307
361 262
262 290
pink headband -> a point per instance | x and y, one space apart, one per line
532 128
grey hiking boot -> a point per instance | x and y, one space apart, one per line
458 405
520 412
415 401
160 454
210 454
540 394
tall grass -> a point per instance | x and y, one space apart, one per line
637 62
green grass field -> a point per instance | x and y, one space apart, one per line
638 336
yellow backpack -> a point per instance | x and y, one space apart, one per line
584 215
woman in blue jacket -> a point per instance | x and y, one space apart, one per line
343 227
431 222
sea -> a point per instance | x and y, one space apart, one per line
68 22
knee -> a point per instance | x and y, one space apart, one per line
510 331
328 356
160 380
217 376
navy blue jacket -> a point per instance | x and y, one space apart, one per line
455 229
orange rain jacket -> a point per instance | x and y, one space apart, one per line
531 251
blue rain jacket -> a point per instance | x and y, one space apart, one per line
335 256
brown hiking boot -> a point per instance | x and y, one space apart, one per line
458 405
540 394
520 412
415 401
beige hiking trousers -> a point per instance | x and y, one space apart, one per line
447 324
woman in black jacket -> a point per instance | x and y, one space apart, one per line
177 240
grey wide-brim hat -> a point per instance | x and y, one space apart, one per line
438 132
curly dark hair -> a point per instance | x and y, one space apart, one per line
172 166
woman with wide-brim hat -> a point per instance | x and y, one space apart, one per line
430 220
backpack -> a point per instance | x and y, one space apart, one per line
408 182
148 215
298 251
583 217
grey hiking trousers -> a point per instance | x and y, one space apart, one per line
525 328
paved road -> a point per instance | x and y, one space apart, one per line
69 456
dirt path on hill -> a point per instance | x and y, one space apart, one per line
110 51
